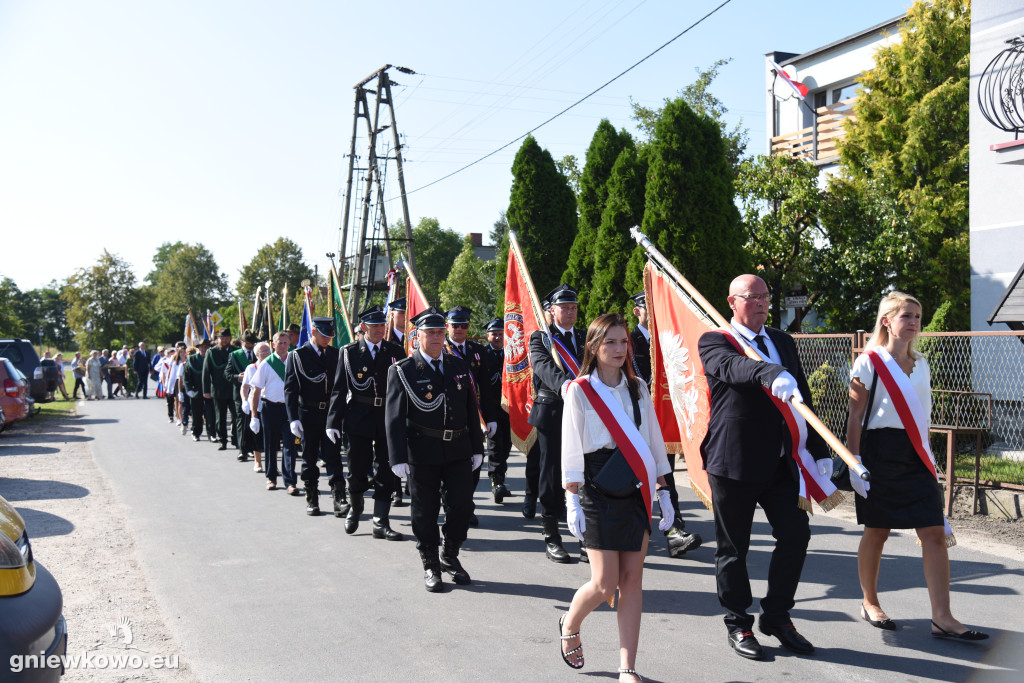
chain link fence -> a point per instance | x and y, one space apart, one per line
977 389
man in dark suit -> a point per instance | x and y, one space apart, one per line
434 440
308 382
532 473
499 445
679 541
140 364
549 381
193 380
238 361
357 407
217 389
747 455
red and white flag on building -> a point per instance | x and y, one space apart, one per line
678 387
517 375
415 303
799 89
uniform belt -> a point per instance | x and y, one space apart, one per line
548 393
376 401
444 435
322 405
274 403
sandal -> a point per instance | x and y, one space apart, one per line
966 635
631 672
566 655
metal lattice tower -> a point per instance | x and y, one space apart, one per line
360 254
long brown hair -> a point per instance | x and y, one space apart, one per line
596 333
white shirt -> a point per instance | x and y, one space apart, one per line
884 414
430 361
584 432
644 331
265 378
746 333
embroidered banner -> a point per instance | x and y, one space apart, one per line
517 375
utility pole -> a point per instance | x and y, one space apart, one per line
364 248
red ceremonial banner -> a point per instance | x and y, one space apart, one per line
415 303
517 375
679 388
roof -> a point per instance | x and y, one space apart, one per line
1010 309
879 28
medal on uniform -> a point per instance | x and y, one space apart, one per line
359 375
429 396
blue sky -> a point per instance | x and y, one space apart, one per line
124 124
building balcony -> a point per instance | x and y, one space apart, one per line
818 143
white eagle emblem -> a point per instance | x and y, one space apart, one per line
680 374
515 346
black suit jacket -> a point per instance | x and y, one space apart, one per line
140 363
308 382
356 366
457 411
746 432
548 379
641 354
476 357
494 362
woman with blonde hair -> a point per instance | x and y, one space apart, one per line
612 455
888 427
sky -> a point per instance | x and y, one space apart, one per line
127 124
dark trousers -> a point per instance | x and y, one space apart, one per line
274 428
670 481
110 385
498 448
79 382
315 444
142 384
552 495
369 455
240 422
425 484
170 405
186 409
532 471
198 413
734 514
224 409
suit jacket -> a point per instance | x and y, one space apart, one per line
194 373
366 378
238 361
140 363
494 363
214 363
746 432
476 357
641 354
411 403
548 379
308 383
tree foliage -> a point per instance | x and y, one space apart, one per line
280 262
689 212
471 283
499 230
190 280
624 208
101 295
604 149
542 212
781 206
908 139
161 257
10 323
436 251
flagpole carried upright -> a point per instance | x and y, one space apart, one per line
710 311
534 299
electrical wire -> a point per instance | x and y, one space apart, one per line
577 102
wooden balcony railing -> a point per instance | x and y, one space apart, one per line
817 143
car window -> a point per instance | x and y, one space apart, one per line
12 371
13 352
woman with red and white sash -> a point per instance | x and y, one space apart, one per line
903 492
615 530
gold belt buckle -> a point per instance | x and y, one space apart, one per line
448 435
377 401
322 405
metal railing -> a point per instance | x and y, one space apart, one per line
819 142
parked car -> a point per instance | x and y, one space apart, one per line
14 399
24 357
31 606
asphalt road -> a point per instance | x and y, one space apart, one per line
253 589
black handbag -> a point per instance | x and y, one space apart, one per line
840 470
616 478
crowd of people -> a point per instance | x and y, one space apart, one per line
420 423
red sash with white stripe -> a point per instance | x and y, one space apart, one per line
625 435
569 361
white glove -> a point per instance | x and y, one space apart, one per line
825 467
181 397
784 387
859 485
296 428
477 461
574 518
254 425
190 394
492 429
668 515
401 470
246 408
333 435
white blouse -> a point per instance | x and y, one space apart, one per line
584 432
884 414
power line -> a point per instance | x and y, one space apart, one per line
577 102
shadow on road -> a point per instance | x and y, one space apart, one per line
33 489
43 524
19 449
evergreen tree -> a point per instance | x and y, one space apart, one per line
689 214
908 139
624 209
604 149
542 212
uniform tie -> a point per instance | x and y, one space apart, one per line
373 351
437 368
569 341
759 340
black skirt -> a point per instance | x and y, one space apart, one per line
612 523
903 494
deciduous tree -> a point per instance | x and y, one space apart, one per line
436 251
280 262
102 294
190 280
471 283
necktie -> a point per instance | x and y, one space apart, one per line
462 350
568 341
759 340
373 351
437 368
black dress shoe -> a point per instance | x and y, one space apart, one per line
352 519
746 645
680 542
396 499
584 557
557 553
473 521
386 532
452 566
222 447
432 579
241 457
313 509
530 508
195 438
500 492
788 637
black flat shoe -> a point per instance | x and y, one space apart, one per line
746 645
570 653
966 635
886 624
789 638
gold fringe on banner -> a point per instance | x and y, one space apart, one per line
805 505
832 501
524 446
701 496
